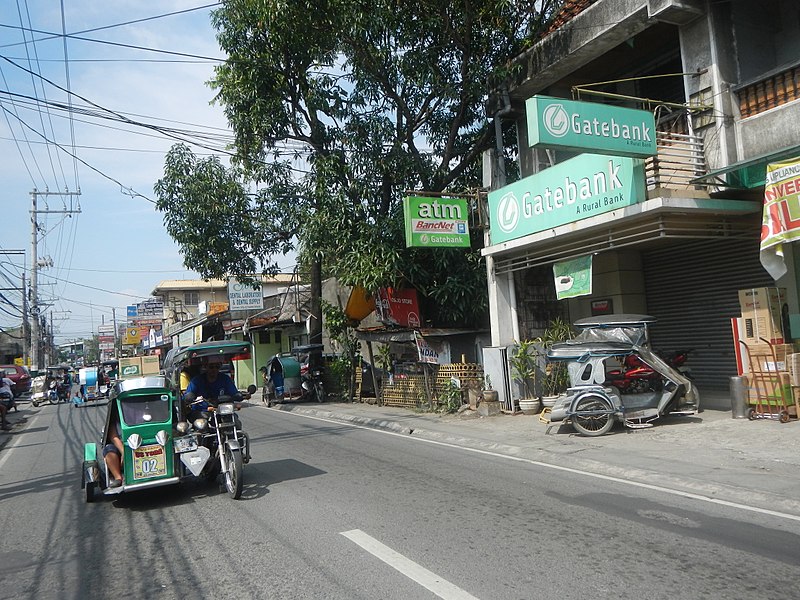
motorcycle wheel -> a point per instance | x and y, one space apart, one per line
592 425
234 475
320 393
52 399
35 403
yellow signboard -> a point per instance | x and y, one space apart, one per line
132 336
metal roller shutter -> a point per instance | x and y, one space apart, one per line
691 288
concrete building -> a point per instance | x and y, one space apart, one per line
722 81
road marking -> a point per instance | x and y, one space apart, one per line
427 579
646 486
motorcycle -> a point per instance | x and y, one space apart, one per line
50 387
637 377
219 430
310 378
593 403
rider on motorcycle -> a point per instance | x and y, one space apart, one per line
210 385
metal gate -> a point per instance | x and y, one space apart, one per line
692 289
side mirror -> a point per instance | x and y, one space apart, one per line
251 389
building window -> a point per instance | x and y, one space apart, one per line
191 298
277 336
263 337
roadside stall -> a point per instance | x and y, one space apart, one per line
413 361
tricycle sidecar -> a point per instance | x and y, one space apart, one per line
155 453
596 361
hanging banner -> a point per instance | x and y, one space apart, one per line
781 216
436 222
398 308
424 351
573 277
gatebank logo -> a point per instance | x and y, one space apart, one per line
556 120
508 213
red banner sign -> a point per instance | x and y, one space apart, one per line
398 307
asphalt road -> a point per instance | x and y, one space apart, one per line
335 511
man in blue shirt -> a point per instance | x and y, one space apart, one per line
210 385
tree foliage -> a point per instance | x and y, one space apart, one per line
338 107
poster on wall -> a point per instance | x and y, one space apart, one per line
573 277
781 216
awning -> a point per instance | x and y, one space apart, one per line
747 174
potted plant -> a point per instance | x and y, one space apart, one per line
524 361
489 394
556 376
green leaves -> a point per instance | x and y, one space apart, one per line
338 107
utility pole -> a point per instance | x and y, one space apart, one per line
35 325
114 321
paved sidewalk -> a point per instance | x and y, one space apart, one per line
756 463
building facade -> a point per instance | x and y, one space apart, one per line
722 82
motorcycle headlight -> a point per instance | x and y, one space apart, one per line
182 427
200 424
134 441
225 409
162 437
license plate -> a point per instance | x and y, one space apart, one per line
149 461
184 444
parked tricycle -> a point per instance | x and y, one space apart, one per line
165 440
51 386
599 363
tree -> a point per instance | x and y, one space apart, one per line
378 97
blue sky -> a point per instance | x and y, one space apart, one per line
117 242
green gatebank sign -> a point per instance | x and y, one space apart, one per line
590 127
436 222
578 188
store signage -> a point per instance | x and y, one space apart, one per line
436 222
132 311
425 353
590 126
576 189
244 297
132 336
398 308
781 216
573 278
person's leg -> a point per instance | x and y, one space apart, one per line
5 426
114 464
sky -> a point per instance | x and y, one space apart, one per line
100 140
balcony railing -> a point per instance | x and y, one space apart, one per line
680 159
773 90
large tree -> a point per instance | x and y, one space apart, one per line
375 98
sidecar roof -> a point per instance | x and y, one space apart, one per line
581 351
221 348
620 320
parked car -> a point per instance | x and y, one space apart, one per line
20 376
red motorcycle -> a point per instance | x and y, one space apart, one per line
637 377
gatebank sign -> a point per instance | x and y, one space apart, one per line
578 188
590 127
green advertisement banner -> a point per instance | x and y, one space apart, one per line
436 222
781 216
573 277
590 126
578 188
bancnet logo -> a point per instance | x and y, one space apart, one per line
508 213
556 120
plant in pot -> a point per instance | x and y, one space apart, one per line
488 393
524 361
556 375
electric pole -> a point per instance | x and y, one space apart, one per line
34 299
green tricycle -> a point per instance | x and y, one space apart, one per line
161 440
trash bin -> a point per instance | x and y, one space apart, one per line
739 404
